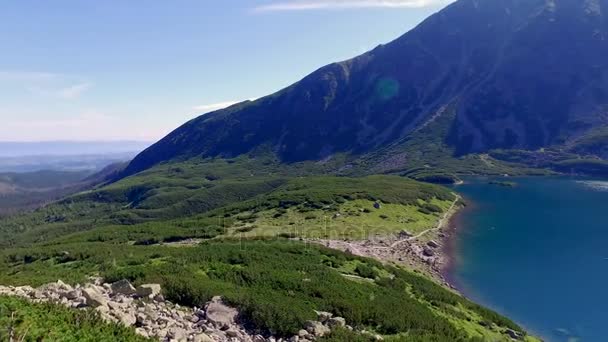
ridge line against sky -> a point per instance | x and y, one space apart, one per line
117 70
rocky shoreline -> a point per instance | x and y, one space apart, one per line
428 252
145 309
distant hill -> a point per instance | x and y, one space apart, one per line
69 148
508 74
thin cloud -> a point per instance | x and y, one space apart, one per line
73 92
26 76
303 5
46 84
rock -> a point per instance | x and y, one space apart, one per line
336 322
324 316
202 338
177 334
159 298
71 295
128 319
148 290
259 338
123 287
232 333
142 332
404 234
302 333
317 328
513 334
433 244
93 297
220 314
428 252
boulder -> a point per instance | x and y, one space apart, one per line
128 319
428 252
433 244
513 334
148 290
71 295
202 338
336 322
93 297
177 334
123 287
324 316
232 333
317 328
220 314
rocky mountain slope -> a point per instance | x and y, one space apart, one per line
511 73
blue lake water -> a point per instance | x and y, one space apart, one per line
538 253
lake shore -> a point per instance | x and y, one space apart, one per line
428 252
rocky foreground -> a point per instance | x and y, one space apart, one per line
145 309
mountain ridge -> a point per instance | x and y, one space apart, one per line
519 74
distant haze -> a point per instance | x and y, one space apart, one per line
67 148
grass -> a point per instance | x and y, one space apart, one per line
27 321
354 220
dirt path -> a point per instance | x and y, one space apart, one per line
442 223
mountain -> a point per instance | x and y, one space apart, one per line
510 74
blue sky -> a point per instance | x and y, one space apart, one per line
127 69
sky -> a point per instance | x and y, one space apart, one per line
136 70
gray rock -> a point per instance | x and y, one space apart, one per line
513 334
148 290
177 334
71 295
302 333
128 319
324 316
433 244
93 297
123 287
428 252
220 314
232 333
336 322
316 328
202 338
